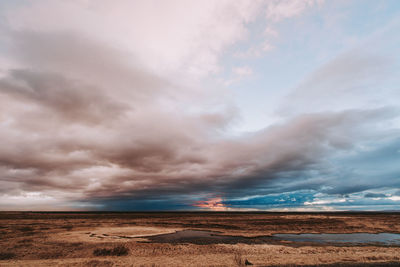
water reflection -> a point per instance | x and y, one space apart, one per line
209 237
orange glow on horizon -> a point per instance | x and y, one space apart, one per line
212 204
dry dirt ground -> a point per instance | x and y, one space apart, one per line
89 239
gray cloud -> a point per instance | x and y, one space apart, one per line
373 195
69 99
80 56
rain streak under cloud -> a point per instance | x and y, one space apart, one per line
200 105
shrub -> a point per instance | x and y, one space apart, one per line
96 263
119 250
6 256
50 255
68 227
26 229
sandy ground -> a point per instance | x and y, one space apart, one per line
69 239
111 234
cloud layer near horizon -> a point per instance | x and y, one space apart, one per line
124 110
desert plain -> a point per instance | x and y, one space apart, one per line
204 239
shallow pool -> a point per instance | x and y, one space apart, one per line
209 237
353 238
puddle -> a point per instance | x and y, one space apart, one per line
353 238
209 237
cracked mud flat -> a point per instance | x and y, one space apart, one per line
191 239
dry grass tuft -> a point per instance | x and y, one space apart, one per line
240 260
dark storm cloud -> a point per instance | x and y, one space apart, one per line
141 159
255 167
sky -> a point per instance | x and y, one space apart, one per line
270 105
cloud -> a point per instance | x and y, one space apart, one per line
73 55
238 74
132 160
175 36
52 93
96 147
242 71
362 77
325 202
278 10
394 198
349 81
375 195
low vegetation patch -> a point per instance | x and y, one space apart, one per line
26 240
96 263
50 255
68 227
26 229
7 256
116 251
